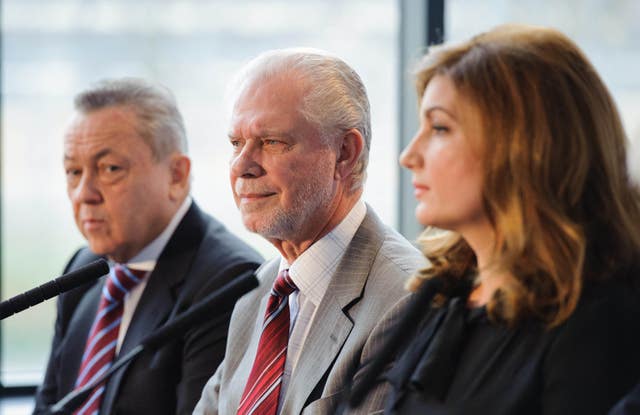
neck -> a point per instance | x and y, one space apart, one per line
482 241
486 287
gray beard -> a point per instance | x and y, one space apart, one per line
284 225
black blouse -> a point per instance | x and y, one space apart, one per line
459 362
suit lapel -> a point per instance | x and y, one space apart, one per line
76 339
267 275
244 336
160 294
331 326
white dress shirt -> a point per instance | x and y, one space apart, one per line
146 260
312 272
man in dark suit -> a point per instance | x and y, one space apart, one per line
128 182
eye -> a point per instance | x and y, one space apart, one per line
111 168
439 128
111 172
236 143
275 144
72 174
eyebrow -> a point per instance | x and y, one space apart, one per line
264 134
97 156
429 110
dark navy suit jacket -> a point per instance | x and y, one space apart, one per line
200 257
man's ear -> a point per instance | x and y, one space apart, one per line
351 146
179 168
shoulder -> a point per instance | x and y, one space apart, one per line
605 326
199 258
79 259
606 310
398 253
219 245
380 260
213 254
392 252
594 353
396 261
68 302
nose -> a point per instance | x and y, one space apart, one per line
87 190
246 161
410 157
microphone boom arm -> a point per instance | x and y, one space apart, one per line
222 299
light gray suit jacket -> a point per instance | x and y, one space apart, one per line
364 299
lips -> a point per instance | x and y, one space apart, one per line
419 189
254 197
91 224
251 191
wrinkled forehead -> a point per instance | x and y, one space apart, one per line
274 101
104 120
108 128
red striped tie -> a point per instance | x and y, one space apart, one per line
263 387
103 338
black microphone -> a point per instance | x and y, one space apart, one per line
54 287
219 301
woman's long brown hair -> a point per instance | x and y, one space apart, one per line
556 185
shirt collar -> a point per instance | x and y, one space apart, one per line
147 258
313 269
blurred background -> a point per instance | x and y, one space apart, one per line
52 49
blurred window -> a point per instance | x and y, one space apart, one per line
52 49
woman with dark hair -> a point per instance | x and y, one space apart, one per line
521 158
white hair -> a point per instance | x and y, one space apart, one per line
336 98
160 123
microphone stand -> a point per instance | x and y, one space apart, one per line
222 299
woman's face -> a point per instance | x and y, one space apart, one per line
445 159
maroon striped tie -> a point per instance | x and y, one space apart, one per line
263 387
103 338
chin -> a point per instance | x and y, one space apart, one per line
424 217
251 225
99 248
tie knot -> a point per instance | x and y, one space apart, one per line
283 285
120 282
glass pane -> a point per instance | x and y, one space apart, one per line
54 48
607 31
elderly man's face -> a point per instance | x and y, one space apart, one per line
282 172
120 194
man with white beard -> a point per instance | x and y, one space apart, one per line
300 131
